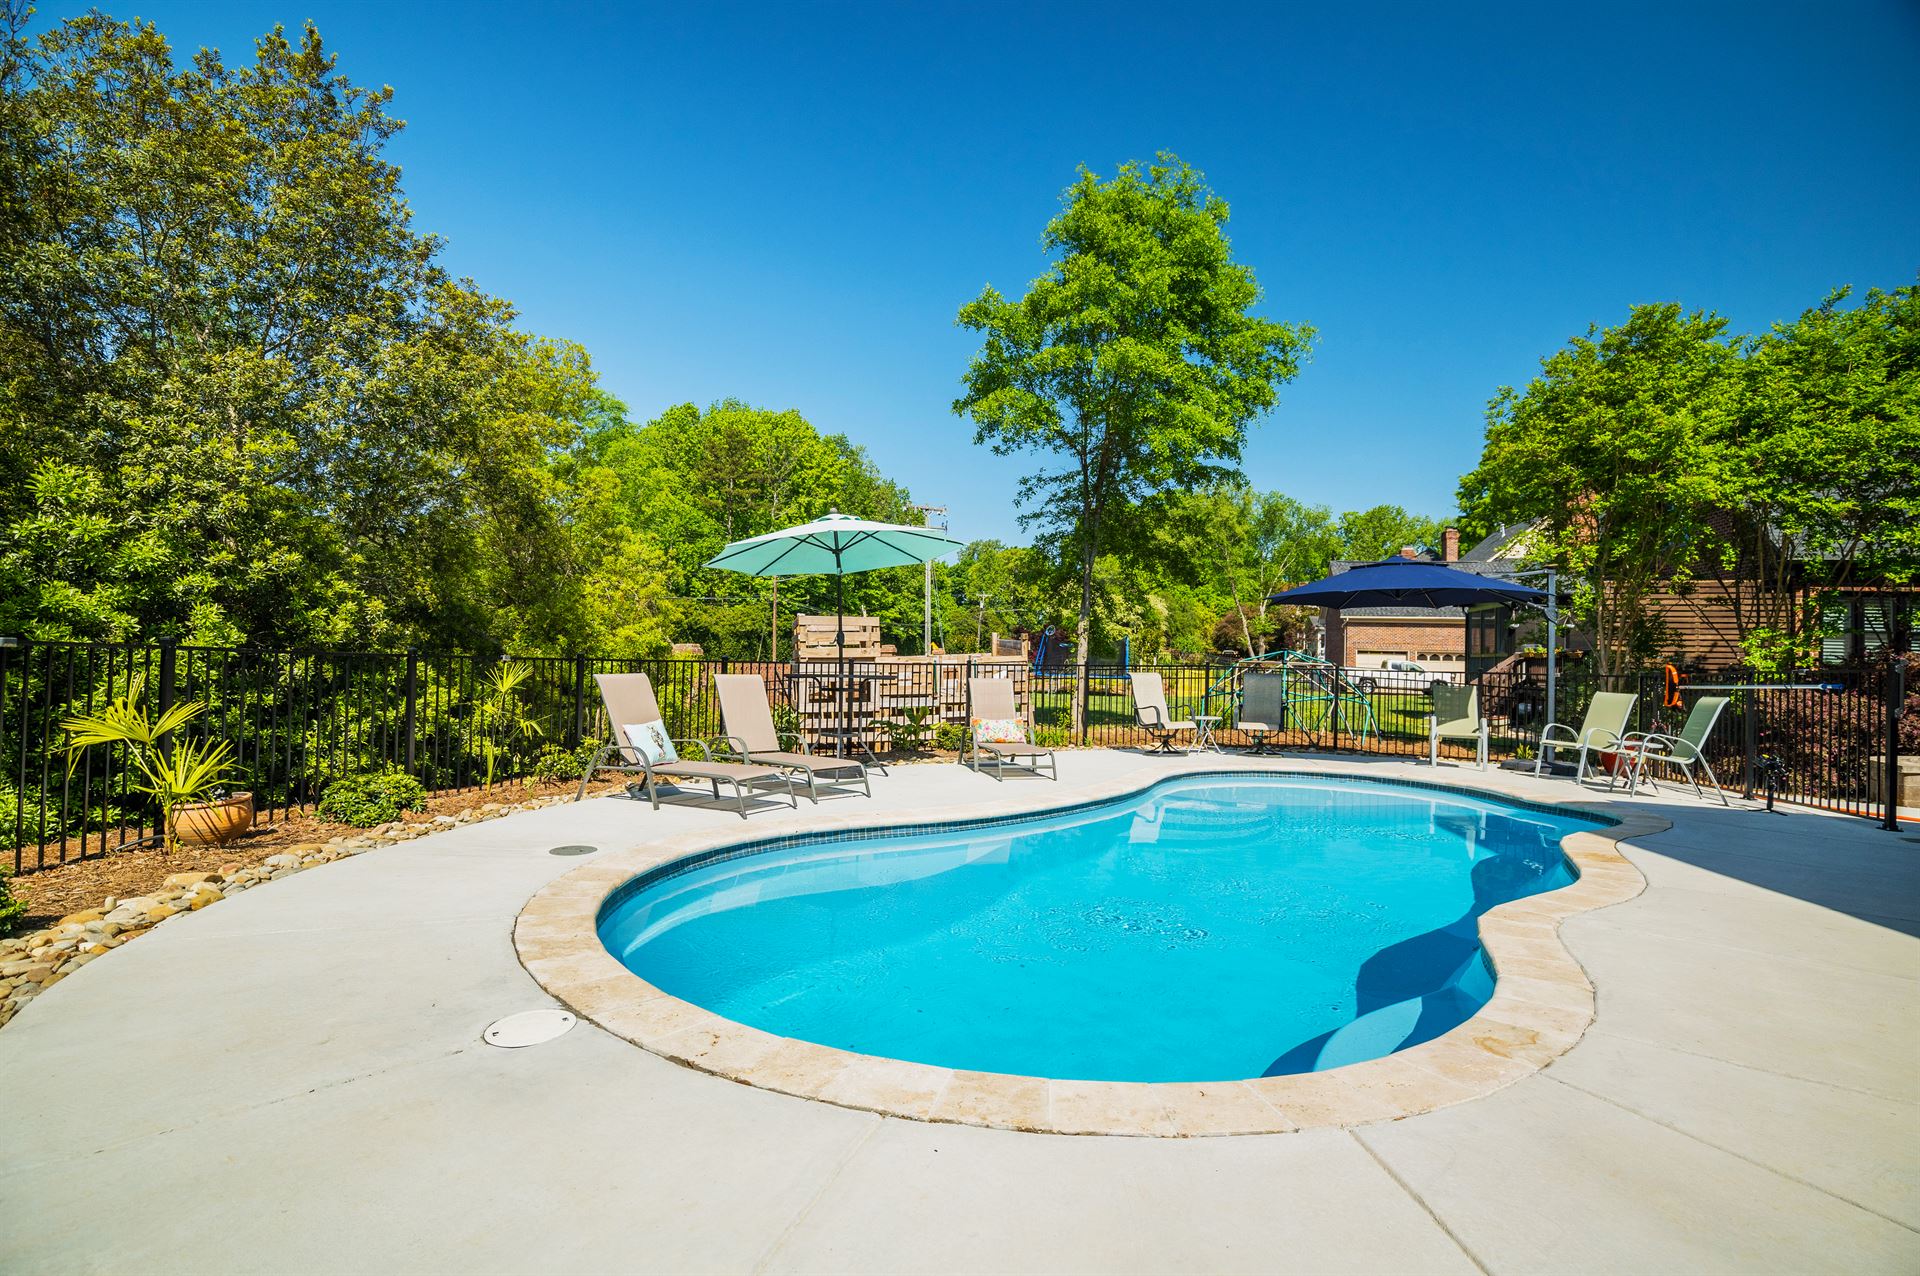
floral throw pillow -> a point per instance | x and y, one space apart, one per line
999 731
650 740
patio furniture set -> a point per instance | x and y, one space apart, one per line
1632 755
753 756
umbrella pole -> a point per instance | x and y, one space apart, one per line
840 656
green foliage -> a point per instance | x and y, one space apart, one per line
554 763
1613 449
950 736
914 730
689 481
1052 737
172 768
12 907
498 721
239 398
1135 364
371 798
1763 470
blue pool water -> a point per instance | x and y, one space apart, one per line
1214 928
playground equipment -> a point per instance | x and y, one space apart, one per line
1316 695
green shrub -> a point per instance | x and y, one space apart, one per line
951 736
11 905
376 798
1052 737
554 763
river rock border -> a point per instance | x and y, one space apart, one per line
1542 1005
36 961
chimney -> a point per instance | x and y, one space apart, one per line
1409 551
1450 545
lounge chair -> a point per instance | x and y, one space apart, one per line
751 734
1151 712
1263 708
1684 751
993 702
1455 716
1603 728
630 702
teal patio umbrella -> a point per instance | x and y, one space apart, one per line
834 545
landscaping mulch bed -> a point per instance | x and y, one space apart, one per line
54 892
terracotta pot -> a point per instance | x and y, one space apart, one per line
213 823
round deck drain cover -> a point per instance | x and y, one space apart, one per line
573 850
528 1028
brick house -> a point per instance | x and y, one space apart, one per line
1435 638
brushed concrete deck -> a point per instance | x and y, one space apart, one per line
294 1081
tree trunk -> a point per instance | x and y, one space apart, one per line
1083 643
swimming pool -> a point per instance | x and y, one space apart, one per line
1212 928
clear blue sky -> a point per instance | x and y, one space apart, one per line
786 203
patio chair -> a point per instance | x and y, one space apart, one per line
1151 712
1685 751
1455 716
1603 728
994 710
751 733
1263 709
631 703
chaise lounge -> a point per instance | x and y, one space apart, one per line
752 735
994 724
643 748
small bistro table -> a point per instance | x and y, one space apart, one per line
1203 733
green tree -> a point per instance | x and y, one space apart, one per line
1135 362
690 481
1613 449
1820 478
1383 531
239 398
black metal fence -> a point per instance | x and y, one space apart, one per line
298 720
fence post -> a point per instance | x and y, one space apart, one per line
1896 700
579 729
413 707
1750 770
20 791
168 655
1333 705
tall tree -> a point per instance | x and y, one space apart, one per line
1821 472
1135 363
1612 450
239 399
1384 531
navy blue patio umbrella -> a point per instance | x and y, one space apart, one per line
1400 582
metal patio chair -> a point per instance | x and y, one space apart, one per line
1684 752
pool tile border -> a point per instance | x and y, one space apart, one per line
1543 1001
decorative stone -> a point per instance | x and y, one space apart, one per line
183 881
283 861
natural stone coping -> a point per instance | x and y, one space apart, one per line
1542 1002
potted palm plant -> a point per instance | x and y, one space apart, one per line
184 776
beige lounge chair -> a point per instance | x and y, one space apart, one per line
630 700
1151 712
752 735
992 700
1604 727
1455 716
1263 708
